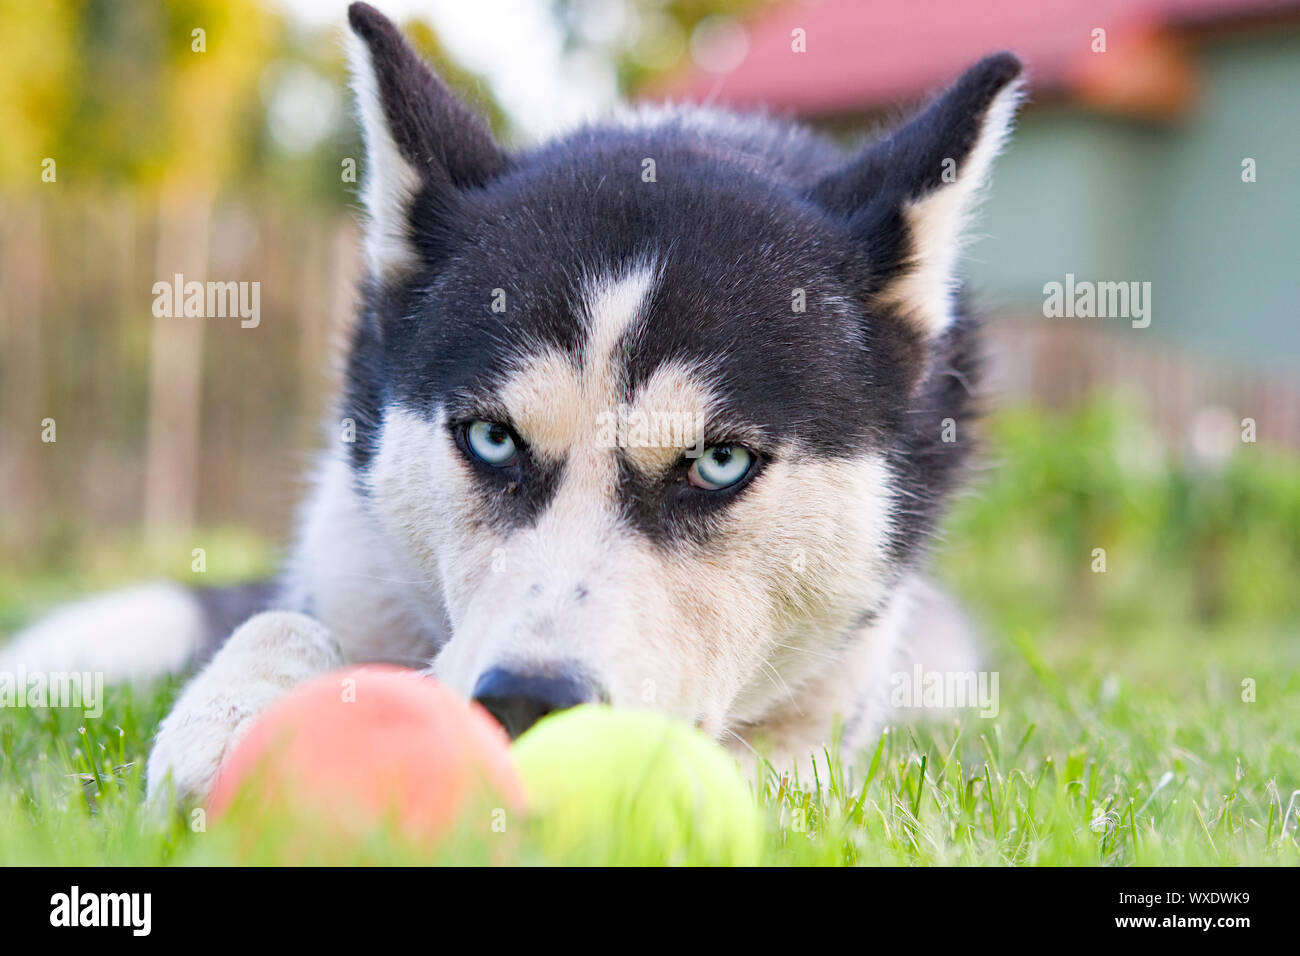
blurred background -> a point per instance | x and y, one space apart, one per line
214 139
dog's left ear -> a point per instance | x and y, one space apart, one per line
907 197
424 147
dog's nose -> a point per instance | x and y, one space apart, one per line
518 701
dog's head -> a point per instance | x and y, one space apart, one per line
661 411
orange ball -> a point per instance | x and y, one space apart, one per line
369 747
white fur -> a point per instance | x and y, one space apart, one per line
343 571
613 304
389 181
133 634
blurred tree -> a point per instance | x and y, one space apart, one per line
37 79
206 64
129 95
649 38
210 94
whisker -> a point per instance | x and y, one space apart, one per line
744 743
781 685
809 651
376 577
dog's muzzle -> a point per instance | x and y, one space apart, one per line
518 701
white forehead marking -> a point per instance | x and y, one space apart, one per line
613 304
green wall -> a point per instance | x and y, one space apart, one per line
1110 199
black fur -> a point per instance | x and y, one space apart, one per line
224 608
737 220
929 468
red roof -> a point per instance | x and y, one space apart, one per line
867 53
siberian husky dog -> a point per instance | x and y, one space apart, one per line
659 414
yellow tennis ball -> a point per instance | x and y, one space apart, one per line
608 786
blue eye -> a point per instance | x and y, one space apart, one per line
491 443
721 466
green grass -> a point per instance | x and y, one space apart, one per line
1123 736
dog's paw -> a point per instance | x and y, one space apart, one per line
265 657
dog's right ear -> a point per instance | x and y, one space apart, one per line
907 199
423 146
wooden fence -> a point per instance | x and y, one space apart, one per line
161 422
1058 363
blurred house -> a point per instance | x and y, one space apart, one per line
1167 155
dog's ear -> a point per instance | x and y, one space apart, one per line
907 197
423 146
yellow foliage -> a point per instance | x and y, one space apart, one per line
36 77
